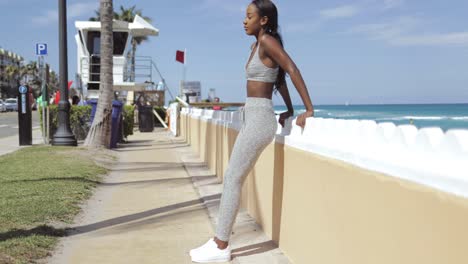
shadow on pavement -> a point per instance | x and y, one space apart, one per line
132 217
254 249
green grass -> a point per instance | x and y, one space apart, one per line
41 188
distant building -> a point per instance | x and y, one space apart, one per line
7 58
192 90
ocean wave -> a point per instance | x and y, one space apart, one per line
460 118
297 112
399 118
425 117
346 115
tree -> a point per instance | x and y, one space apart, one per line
128 15
13 73
53 84
31 77
24 75
97 17
100 131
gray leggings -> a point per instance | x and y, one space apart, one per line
256 133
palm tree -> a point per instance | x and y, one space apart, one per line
31 77
97 17
53 84
13 74
100 131
128 15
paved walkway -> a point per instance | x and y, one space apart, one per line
152 208
11 144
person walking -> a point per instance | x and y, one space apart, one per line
266 69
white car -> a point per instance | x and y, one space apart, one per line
2 106
11 104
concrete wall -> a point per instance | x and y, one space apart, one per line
350 191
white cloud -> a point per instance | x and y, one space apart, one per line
339 12
81 9
233 7
49 17
73 11
324 15
302 27
405 32
387 30
388 4
447 39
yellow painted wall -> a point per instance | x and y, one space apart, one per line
212 150
333 212
320 210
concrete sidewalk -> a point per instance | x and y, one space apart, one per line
11 144
152 208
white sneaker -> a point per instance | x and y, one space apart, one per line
210 252
207 244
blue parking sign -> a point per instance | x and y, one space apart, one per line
41 49
23 89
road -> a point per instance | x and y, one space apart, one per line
9 123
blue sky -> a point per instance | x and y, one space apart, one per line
360 51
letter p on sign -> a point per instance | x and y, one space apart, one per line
41 49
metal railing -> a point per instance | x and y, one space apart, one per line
91 69
143 70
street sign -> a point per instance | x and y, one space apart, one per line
41 49
23 92
23 89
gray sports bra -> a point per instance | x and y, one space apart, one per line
257 71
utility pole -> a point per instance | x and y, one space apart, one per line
63 136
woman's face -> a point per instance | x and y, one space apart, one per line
252 21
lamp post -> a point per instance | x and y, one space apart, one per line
63 136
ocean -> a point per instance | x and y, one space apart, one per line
445 116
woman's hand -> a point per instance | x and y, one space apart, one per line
301 119
284 116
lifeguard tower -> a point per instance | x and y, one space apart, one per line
130 76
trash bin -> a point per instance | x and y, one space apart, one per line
116 119
116 132
145 118
93 103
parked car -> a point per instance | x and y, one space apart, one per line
11 104
2 106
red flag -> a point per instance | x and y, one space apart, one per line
180 56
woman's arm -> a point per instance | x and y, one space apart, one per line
276 52
283 90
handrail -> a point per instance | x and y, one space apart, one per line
217 104
142 63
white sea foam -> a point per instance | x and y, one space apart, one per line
400 118
460 118
425 117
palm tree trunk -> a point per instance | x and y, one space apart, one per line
100 132
134 46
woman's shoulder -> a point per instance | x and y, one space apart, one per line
267 40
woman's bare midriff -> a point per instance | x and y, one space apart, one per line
259 89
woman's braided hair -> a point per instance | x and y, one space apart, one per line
267 8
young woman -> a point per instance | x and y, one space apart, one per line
266 69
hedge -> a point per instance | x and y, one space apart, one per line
80 117
80 120
128 119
